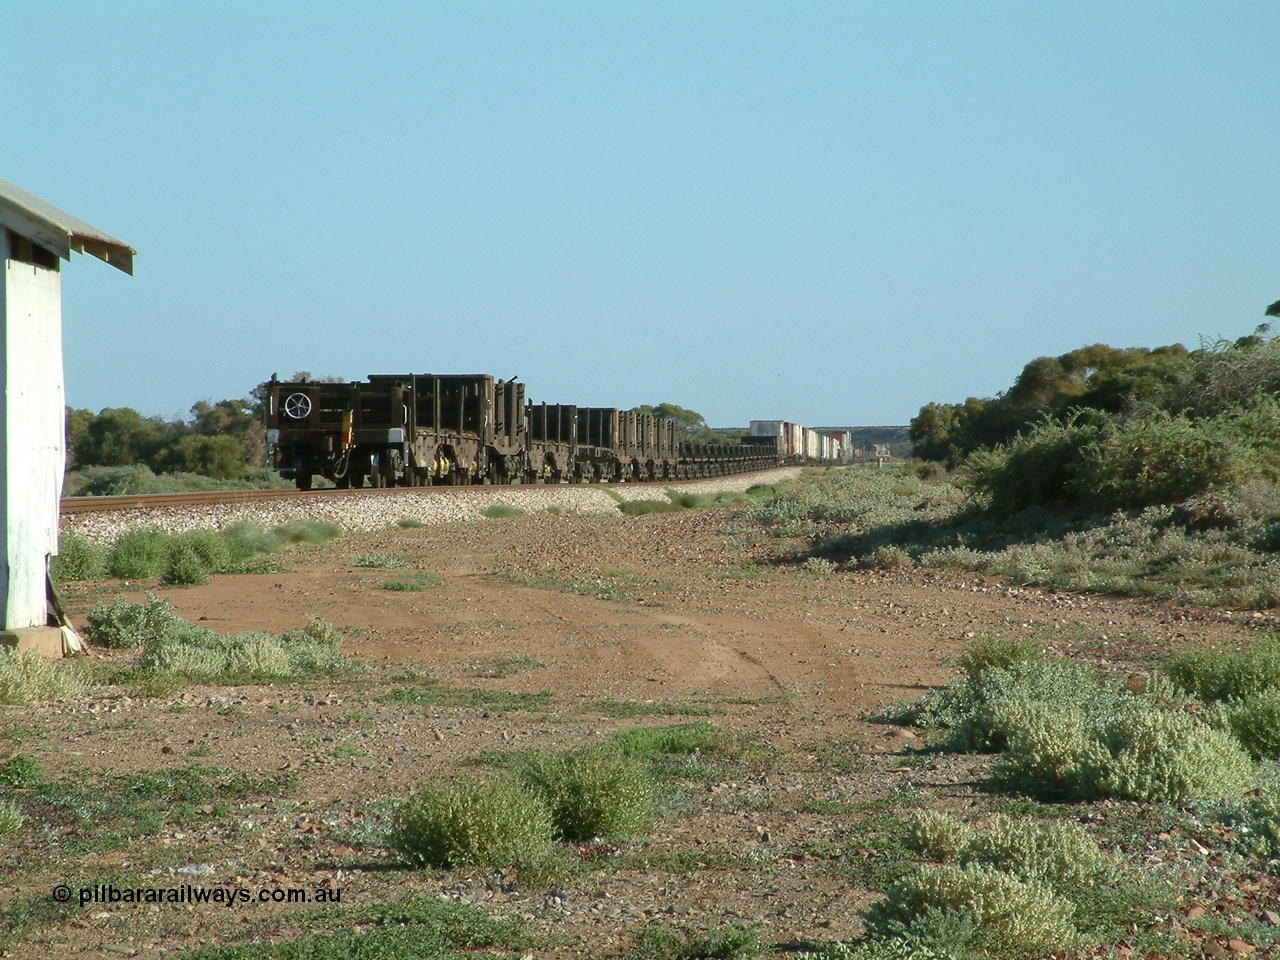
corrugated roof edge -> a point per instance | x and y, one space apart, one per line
58 231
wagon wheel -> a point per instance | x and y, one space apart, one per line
298 406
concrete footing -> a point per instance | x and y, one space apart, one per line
49 641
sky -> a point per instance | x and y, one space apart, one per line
830 213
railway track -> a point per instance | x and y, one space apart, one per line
70 505
77 505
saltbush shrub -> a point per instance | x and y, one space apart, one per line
994 651
1137 751
1216 674
124 624
139 555
184 566
11 818
938 836
592 792
998 913
197 655
989 708
1062 855
471 822
78 559
1255 722
28 676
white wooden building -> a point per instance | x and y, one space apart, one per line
36 237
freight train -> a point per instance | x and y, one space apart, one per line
418 429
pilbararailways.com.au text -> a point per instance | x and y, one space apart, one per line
107 894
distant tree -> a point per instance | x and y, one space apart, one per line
120 436
1274 309
219 457
690 424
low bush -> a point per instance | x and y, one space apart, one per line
981 711
501 511
1255 722
124 625
937 836
1213 674
11 818
22 771
651 743
28 677
185 567
196 655
1136 752
638 508
78 559
1037 468
378 560
470 822
593 792
1061 855
139 555
976 907
993 651
726 943
306 531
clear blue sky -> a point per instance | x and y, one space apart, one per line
831 213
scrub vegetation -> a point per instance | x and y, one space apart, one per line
182 559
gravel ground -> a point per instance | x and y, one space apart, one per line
372 511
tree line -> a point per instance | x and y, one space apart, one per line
1103 428
221 440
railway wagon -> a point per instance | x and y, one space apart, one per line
398 429
413 429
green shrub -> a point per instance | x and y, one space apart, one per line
306 531
212 549
1035 469
986 710
1155 754
593 792
139 555
637 508
1214 674
28 677
727 943
126 625
501 511
650 743
991 651
470 822
78 559
1136 752
11 818
197 655
184 566
247 539
938 836
21 771
1158 459
999 913
378 560
1256 723
1062 855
